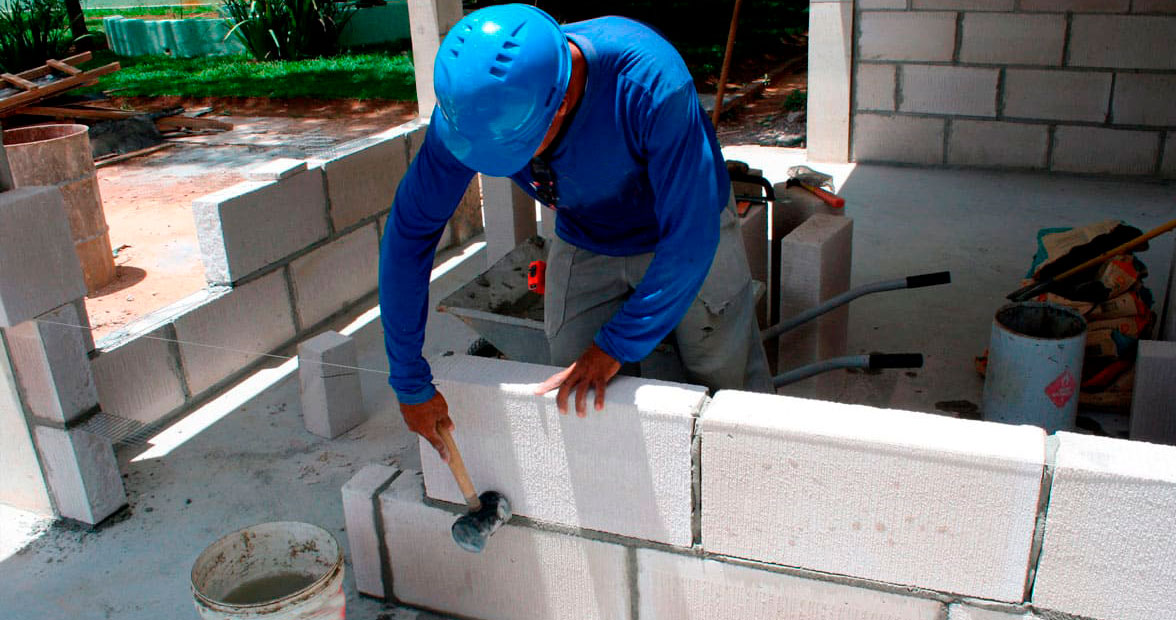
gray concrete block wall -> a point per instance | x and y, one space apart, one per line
246 228
335 276
82 473
141 379
1096 78
233 329
362 181
49 357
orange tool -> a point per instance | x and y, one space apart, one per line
537 277
833 200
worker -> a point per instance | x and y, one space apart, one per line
598 120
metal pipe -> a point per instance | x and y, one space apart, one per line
873 361
930 279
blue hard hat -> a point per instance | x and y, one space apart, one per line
500 76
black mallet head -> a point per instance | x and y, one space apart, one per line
471 530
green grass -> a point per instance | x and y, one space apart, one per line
356 76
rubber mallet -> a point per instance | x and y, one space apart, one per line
487 512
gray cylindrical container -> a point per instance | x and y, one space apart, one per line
1035 366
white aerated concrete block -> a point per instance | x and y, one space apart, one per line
23 485
815 261
894 496
1122 42
39 269
966 91
82 472
907 36
232 329
50 358
1057 95
1077 6
967 612
332 402
362 182
902 139
251 225
964 5
676 587
276 169
1109 533
140 379
337 275
1154 395
1104 151
523 573
998 144
867 5
624 470
1142 99
429 21
361 515
875 87
509 216
1013 39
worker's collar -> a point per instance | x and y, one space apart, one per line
571 102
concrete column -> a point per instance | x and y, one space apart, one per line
508 215
46 384
429 20
547 223
830 64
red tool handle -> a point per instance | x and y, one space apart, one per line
833 200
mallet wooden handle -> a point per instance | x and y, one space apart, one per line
459 471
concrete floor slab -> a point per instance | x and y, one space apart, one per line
255 462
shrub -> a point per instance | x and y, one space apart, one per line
288 29
795 101
32 31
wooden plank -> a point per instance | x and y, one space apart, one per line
18 81
176 122
114 159
10 104
62 67
43 70
64 112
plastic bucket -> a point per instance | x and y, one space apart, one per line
283 570
1035 366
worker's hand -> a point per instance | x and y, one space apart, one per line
424 419
593 370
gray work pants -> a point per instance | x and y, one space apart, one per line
718 339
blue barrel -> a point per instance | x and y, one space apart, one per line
1035 366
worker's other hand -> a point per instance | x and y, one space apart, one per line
424 419
593 371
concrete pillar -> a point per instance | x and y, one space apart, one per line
332 402
830 65
508 215
547 223
815 262
429 20
46 384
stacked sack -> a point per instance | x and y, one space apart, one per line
1112 298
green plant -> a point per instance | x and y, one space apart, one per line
32 31
795 101
288 29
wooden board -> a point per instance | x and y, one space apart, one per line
18 81
90 113
12 103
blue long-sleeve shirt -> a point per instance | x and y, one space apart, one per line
638 170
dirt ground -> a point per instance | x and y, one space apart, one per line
147 199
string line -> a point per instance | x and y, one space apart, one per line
284 358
